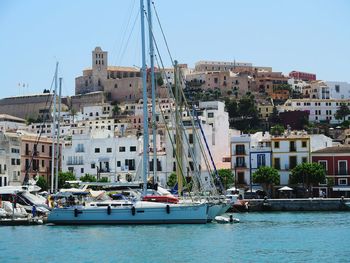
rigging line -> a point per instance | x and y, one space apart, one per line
125 30
161 29
191 151
127 42
193 125
186 104
40 133
172 142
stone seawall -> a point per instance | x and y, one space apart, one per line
309 204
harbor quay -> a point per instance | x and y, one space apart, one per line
300 204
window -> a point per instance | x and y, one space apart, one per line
240 162
277 163
18 161
277 144
109 150
337 88
190 138
240 149
42 163
93 166
342 167
13 161
343 181
323 164
82 170
210 114
97 150
42 148
304 159
292 147
304 144
132 148
261 160
121 149
130 163
292 162
118 164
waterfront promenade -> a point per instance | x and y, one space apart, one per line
300 204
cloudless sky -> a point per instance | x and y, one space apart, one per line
311 36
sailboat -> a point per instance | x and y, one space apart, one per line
134 212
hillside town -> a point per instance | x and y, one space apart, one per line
252 116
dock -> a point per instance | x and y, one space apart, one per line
302 204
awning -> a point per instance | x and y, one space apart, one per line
341 188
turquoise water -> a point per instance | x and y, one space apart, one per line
260 237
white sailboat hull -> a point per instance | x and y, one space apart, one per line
142 213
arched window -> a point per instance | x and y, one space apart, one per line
99 82
115 86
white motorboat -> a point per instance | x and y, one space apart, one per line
16 212
24 198
226 220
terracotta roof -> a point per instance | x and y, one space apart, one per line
335 149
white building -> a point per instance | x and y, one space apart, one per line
8 122
319 110
99 152
298 85
338 89
10 159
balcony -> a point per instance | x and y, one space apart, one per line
342 172
242 152
79 150
240 165
75 163
292 149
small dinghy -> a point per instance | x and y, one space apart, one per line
226 220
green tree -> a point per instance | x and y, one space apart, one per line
160 81
342 112
116 110
103 180
63 177
73 112
267 177
172 180
308 174
226 177
88 178
42 183
277 129
274 117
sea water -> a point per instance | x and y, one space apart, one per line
259 237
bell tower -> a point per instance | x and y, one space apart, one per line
99 67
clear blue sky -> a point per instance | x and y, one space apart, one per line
312 36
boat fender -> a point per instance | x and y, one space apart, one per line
109 210
133 210
167 209
76 212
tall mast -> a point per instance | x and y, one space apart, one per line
58 134
145 109
178 117
154 119
53 132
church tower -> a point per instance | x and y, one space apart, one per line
99 68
